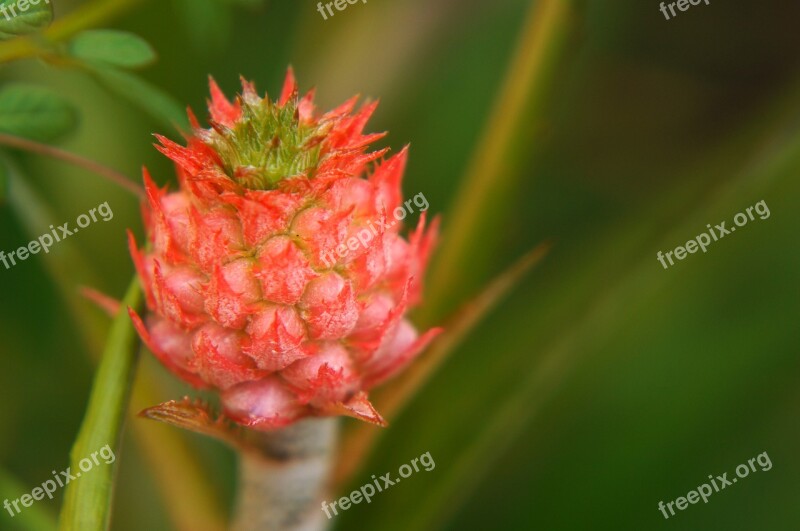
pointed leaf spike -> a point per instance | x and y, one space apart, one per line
222 110
109 305
289 87
359 407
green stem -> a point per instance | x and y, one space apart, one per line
87 164
189 496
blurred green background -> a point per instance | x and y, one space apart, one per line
604 384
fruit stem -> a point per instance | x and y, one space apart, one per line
281 488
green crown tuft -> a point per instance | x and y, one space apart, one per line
268 144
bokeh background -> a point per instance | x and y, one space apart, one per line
603 384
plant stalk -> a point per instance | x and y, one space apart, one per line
82 162
282 486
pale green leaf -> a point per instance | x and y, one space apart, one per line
116 48
34 112
15 22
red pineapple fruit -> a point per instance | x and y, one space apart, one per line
248 288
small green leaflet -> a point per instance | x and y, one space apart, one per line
115 48
15 21
34 112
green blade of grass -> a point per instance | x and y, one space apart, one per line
87 502
488 184
196 506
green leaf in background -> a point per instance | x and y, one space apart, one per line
116 48
87 502
15 22
149 98
34 112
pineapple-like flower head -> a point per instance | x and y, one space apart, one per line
276 274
